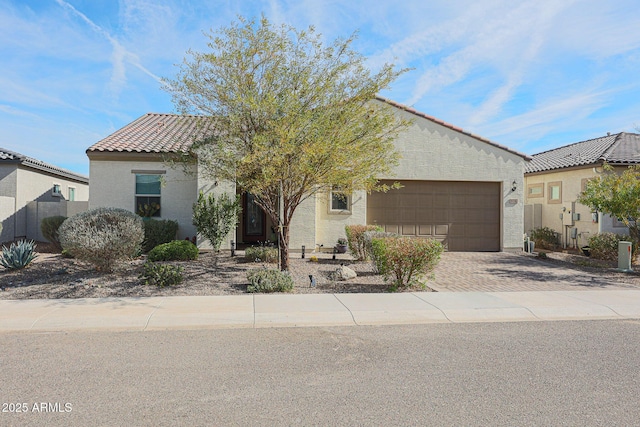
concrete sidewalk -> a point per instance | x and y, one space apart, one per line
282 310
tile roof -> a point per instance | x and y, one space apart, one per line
450 126
11 157
152 133
170 133
621 148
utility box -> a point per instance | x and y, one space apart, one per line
624 256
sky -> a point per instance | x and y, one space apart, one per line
529 74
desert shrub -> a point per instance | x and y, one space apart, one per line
355 236
176 250
545 238
368 237
49 227
102 236
405 261
18 255
215 217
261 254
605 246
161 275
269 280
157 232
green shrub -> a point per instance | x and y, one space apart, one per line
261 254
102 236
215 217
177 250
157 232
18 255
405 260
269 280
545 238
355 236
50 226
161 275
368 237
605 246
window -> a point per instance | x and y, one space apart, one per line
72 194
56 190
617 222
535 190
339 201
148 195
554 191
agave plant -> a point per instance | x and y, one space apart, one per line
18 255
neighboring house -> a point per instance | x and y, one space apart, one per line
31 190
555 178
457 187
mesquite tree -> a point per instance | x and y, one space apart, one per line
286 116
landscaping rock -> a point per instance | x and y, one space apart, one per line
344 273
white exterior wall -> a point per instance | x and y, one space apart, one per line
430 152
433 152
330 225
113 185
7 219
26 185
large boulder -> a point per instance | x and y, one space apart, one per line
344 273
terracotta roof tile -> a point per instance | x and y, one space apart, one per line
166 133
620 148
152 133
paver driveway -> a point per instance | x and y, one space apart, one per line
504 272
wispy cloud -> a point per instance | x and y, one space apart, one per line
119 56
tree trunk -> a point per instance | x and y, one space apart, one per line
284 247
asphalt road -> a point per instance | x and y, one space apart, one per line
532 373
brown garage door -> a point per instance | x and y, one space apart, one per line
465 216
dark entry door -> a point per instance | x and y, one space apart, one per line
254 221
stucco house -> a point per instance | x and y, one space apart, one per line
31 190
458 187
555 178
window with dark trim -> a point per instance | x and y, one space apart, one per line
147 195
339 201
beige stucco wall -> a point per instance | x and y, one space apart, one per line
430 151
26 185
113 185
571 180
434 152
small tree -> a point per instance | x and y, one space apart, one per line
286 116
216 217
617 195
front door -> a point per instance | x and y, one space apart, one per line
254 222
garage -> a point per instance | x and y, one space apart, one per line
464 216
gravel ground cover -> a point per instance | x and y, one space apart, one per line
51 276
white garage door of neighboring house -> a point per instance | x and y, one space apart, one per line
465 216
